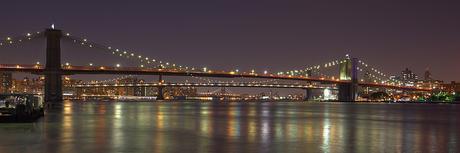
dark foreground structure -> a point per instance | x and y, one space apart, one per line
20 108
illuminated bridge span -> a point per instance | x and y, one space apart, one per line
346 82
72 70
243 85
236 84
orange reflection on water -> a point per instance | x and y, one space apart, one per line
233 126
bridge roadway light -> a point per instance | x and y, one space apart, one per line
118 65
90 64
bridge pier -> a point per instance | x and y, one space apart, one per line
308 94
160 94
348 92
53 79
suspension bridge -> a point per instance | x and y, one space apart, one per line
346 82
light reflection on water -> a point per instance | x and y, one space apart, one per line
238 127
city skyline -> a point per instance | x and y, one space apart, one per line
216 35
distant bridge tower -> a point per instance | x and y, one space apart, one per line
223 91
160 93
348 72
53 80
308 94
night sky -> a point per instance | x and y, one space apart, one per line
272 35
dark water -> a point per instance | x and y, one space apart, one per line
238 127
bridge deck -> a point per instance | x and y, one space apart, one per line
73 70
244 85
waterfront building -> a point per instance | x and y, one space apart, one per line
451 87
429 82
6 81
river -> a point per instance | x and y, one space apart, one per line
98 127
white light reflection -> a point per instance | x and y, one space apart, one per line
265 133
117 133
326 132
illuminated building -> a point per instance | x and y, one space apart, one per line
5 82
451 87
408 76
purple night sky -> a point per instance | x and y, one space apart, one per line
272 35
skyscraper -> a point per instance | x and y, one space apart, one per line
408 76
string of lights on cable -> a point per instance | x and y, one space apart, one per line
14 40
144 61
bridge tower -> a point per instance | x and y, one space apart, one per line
348 72
53 80
308 94
160 95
